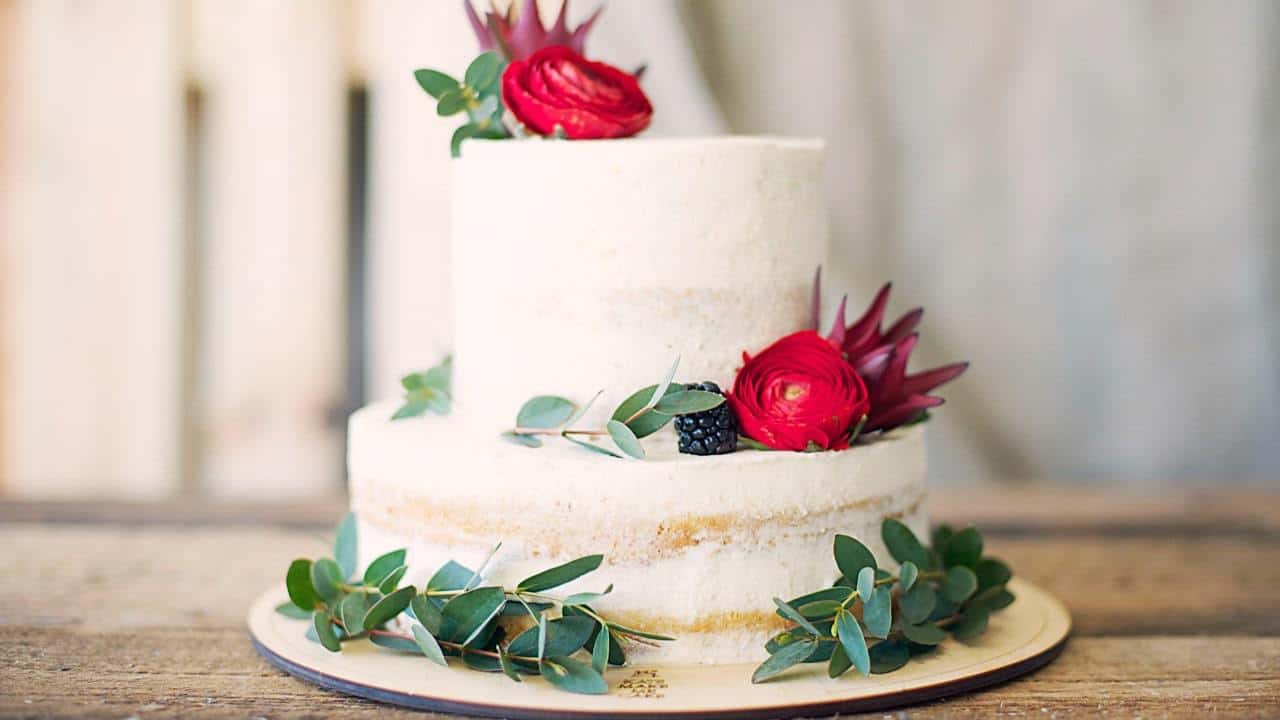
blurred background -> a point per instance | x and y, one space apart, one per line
223 223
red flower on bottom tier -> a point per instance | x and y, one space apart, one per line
798 394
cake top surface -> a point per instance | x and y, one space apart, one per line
482 147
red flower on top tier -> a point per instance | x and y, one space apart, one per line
798 394
880 358
558 88
516 37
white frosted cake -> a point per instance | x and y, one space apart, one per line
586 266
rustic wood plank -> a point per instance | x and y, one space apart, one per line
170 672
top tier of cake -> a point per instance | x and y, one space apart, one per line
585 266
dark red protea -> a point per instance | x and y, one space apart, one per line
517 36
880 359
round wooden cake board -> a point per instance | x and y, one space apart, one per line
1021 638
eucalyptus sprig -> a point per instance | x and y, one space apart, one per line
643 413
428 391
458 615
949 588
479 95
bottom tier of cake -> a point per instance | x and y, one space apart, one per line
696 548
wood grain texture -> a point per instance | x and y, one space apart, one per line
139 610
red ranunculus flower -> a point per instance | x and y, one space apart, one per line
799 390
557 86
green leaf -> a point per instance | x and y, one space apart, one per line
394 642
648 423
524 439
352 610
818 609
924 634
574 676
877 615
577 415
903 545
991 573
324 632
624 630
688 401
463 132
411 410
857 430
907 575
600 649
450 576
483 71
382 566
853 641
434 82
428 645
427 613
840 662
592 446
943 609
584 598
796 617
970 625
451 102
389 607
326 578
543 412
560 574
917 603
992 599
836 594
564 636
941 535
866 583
960 583
786 657
963 548
288 609
542 637
852 556
625 439
345 546
483 663
661 390
392 580
888 655
508 668
298 582
466 615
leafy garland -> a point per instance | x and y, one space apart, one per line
479 95
456 615
950 587
644 412
429 391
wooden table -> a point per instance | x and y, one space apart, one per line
119 611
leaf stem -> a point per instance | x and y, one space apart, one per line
556 431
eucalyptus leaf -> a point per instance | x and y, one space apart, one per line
508 668
853 641
564 636
661 390
794 616
647 635
941 535
544 412
450 576
382 566
786 657
917 603
324 632
600 649
924 633
298 582
877 614
991 573
970 625
288 609
483 71
888 655
326 578
560 574
960 583
574 676
525 439
428 645
963 548
992 599
584 598
689 401
392 580
466 615
411 409
346 546
592 446
907 576
462 133
435 83
866 584
852 556
479 572
819 609
352 610
451 102
639 400
649 423
483 663
836 594
840 662
903 545
577 414
389 607
394 642
625 439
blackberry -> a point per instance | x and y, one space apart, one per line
710 432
